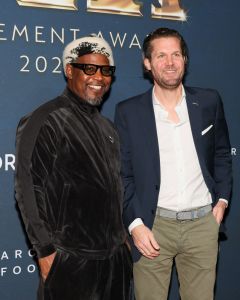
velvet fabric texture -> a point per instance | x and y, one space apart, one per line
74 277
68 184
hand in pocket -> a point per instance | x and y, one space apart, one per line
45 264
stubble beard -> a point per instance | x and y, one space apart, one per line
169 84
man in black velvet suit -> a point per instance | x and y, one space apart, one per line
176 169
68 184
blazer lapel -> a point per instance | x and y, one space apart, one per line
195 118
149 130
148 125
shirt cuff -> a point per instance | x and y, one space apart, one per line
135 223
221 199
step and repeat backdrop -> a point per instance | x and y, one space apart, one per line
33 34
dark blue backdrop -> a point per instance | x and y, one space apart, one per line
30 52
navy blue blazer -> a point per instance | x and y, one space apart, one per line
136 126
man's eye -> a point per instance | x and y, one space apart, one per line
90 68
106 69
177 54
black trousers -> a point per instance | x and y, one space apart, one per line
74 277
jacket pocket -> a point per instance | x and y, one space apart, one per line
53 267
62 206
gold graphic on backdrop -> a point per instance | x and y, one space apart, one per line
60 4
122 7
170 9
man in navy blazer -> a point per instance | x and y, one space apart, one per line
176 169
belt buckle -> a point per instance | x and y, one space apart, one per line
178 215
189 215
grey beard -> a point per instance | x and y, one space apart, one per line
94 102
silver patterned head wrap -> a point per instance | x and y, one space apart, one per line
86 45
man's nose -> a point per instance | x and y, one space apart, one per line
98 75
169 60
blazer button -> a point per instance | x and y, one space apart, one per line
157 187
152 211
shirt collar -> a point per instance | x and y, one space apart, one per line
156 102
181 107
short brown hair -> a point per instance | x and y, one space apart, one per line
163 32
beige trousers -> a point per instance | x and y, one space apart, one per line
193 244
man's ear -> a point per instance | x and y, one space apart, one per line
69 71
185 60
147 64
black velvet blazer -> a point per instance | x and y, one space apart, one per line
67 179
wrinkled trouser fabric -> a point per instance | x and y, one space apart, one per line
193 244
74 277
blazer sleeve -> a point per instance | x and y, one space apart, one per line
131 205
36 145
223 159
